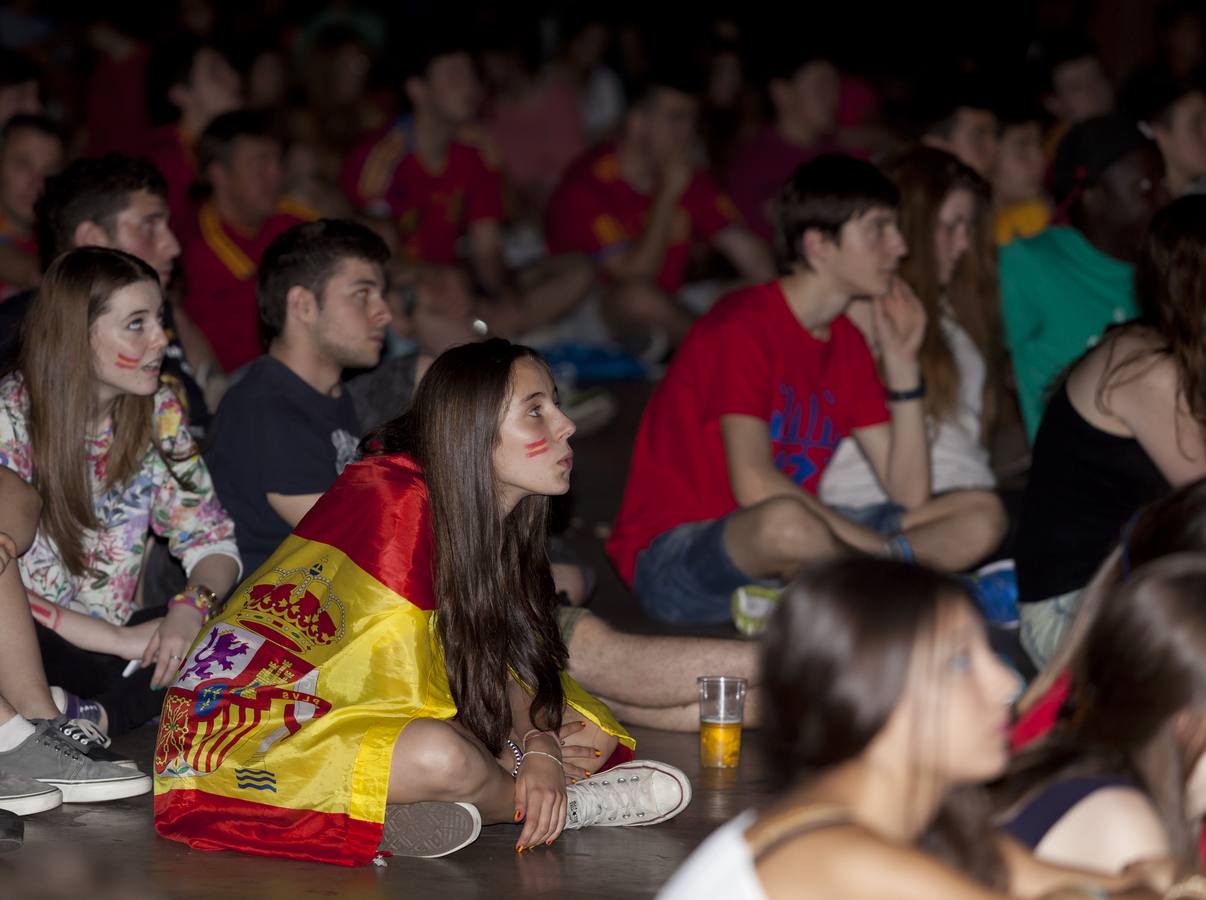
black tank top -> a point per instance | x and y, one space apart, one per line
1084 484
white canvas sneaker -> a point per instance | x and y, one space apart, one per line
641 792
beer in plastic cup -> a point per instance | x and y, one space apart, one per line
721 704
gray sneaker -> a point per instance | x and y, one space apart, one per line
25 796
633 793
49 758
85 737
429 830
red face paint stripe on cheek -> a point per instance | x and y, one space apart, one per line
537 447
126 362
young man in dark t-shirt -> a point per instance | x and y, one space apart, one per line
722 487
287 428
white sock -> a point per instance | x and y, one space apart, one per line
13 732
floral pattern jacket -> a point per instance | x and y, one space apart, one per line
175 500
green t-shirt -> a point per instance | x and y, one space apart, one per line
1059 293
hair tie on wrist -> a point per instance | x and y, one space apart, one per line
904 396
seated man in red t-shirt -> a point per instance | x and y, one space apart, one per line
429 173
722 486
189 82
637 206
31 148
239 158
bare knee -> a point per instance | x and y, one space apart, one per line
633 300
985 520
782 530
436 756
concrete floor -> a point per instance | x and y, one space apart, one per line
110 851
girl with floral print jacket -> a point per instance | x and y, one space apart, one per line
86 421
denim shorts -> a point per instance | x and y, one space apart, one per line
1045 623
686 575
883 518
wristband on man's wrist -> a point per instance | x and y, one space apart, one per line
904 396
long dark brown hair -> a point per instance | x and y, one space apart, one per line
836 660
492 577
1170 285
1140 663
55 340
926 177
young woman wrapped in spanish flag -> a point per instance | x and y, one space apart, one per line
393 675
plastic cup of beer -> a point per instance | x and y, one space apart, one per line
721 705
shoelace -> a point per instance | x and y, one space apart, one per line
618 798
85 733
60 746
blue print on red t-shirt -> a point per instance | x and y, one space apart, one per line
796 449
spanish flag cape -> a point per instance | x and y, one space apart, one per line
277 737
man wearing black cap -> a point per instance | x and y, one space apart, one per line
1062 288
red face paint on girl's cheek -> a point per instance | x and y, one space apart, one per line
126 362
536 448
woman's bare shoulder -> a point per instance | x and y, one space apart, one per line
853 862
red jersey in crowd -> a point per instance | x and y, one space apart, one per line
220 264
750 356
433 209
762 165
117 101
595 211
26 244
170 148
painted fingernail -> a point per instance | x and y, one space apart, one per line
516 815
549 842
573 781
519 849
597 754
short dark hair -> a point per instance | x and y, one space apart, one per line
824 194
218 139
786 55
436 41
672 71
93 189
1149 96
171 63
1014 110
1059 49
16 68
938 113
308 255
29 122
